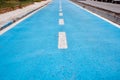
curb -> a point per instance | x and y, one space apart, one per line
20 17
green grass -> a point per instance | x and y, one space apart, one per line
14 3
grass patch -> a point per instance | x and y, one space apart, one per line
8 5
14 3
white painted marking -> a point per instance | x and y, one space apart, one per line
14 24
62 41
60 5
60 14
60 10
105 19
61 21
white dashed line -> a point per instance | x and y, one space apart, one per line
61 21
60 5
62 41
60 10
60 14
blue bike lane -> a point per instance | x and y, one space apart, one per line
61 42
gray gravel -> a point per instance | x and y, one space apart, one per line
108 6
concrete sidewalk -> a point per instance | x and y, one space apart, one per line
11 16
107 6
109 11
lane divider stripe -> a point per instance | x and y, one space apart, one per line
61 21
60 14
60 10
62 41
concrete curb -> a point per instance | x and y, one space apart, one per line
20 17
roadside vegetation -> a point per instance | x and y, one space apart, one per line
8 5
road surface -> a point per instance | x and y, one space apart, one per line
61 42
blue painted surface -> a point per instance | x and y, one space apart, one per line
30 51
